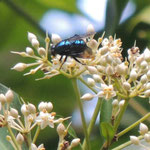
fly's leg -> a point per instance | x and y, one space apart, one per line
78 60
62 62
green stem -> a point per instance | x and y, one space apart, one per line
118 120
133 125
36 134
13 137
29 140
74 83
93 120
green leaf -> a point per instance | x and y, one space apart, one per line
113 14
107 131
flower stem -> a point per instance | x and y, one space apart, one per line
74 83
118 120
133 125
13 137
36 134
93 120
29 140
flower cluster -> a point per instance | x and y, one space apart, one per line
32 118
145 134
109 73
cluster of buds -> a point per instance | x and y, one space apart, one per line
144 132
32 118
63 144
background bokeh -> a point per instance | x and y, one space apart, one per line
128 19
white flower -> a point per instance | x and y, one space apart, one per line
45 119
107 91
34 147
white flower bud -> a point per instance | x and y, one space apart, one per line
61 130
105 42
133 75
121 103
109 70
92 69
29 51
126 86
134 140
148 74
96 77
56 38
147 55
104 50
42 106
35 43
147 93
87 96
143 128
143 79
147 137
2 99
14 112
103 61
109 59
75 142
20 67
90 82
41 51
139 60
143 64
49 106
20 138
100 68
90 28
121 69
92 44
115 103
148 86
8 138
9 96
31 36
31 108
24 110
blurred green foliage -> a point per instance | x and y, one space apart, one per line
17 17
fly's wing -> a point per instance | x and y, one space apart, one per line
78 37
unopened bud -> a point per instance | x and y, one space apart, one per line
90 82
61 130
93 44
139 60
133 75
143 79
147 55
126 86
143 128
104 50
92 69
31 36
56 38
9 96
87 97
96 77
2 99
24 110
41 51
29 51
143 64
147 137
20 67
31 108
75 142
148 86
42 106
134 140
20 138
121 103
8 138
109 59
115 103
35 43
147 93
148 75
109 70
14 113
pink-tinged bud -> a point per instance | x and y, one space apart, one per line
9 96
20 138
87 97
61 130
143 128
2 99
29 51
56 38
75 142
20 67
134 140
